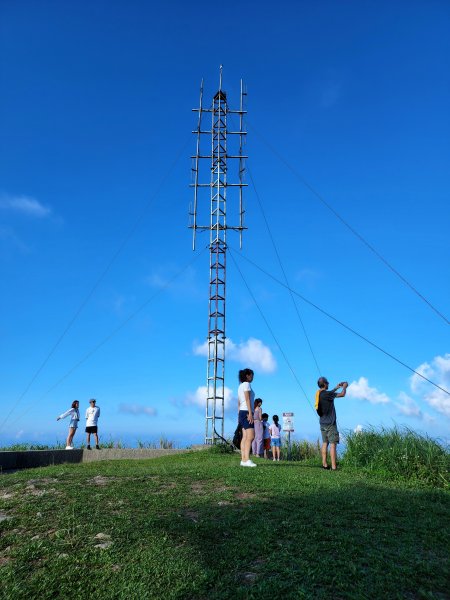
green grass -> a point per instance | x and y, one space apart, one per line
199 526
109 444
400 453
301 450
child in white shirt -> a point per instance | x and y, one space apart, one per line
275 435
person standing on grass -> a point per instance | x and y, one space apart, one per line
275 437
246 398
327 413
92 415
74 414
257 444
266 435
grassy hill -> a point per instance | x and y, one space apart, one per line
199 526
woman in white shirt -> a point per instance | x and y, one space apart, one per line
74 414
246 397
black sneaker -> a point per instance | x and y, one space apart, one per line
97 447
88 448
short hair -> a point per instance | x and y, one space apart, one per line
265 416
322 381
243 374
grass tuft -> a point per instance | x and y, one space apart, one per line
301 449
399 452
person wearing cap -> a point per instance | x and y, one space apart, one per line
327 413
92 415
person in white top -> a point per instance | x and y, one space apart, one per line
275 435
246 397
74 414
92 415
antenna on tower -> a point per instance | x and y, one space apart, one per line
226 148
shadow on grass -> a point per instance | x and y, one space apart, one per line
363 542
202 528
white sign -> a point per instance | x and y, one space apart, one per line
288 421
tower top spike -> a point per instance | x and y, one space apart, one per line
220 78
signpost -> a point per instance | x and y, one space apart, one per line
288 425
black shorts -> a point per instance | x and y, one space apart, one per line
243 420
91 429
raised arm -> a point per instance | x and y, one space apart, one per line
65 414
344 386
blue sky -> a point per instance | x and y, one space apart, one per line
96 118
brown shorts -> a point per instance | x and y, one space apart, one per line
267 444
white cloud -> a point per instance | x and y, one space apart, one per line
439 372
138 409
251 354
19 434
408 407
24 205
358 429
198 397
360 390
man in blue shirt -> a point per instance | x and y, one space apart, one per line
325 409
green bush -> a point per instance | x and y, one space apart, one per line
399 452
301 449
222 448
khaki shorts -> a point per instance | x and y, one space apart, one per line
330 434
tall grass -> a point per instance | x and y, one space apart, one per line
24 446
163 443
300 449
399 452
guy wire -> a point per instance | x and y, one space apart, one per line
342 324
344 222
97 282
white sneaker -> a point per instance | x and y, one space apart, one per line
69 447
247 463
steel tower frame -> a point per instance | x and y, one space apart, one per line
218 226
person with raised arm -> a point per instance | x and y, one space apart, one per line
325 409
74 415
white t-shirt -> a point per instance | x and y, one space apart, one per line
92 415
275 431
245 387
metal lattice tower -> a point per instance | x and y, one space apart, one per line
226 152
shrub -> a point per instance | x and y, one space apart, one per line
399 452
301 449
222 448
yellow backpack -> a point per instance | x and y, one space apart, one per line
317 403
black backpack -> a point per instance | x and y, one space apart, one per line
237 437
